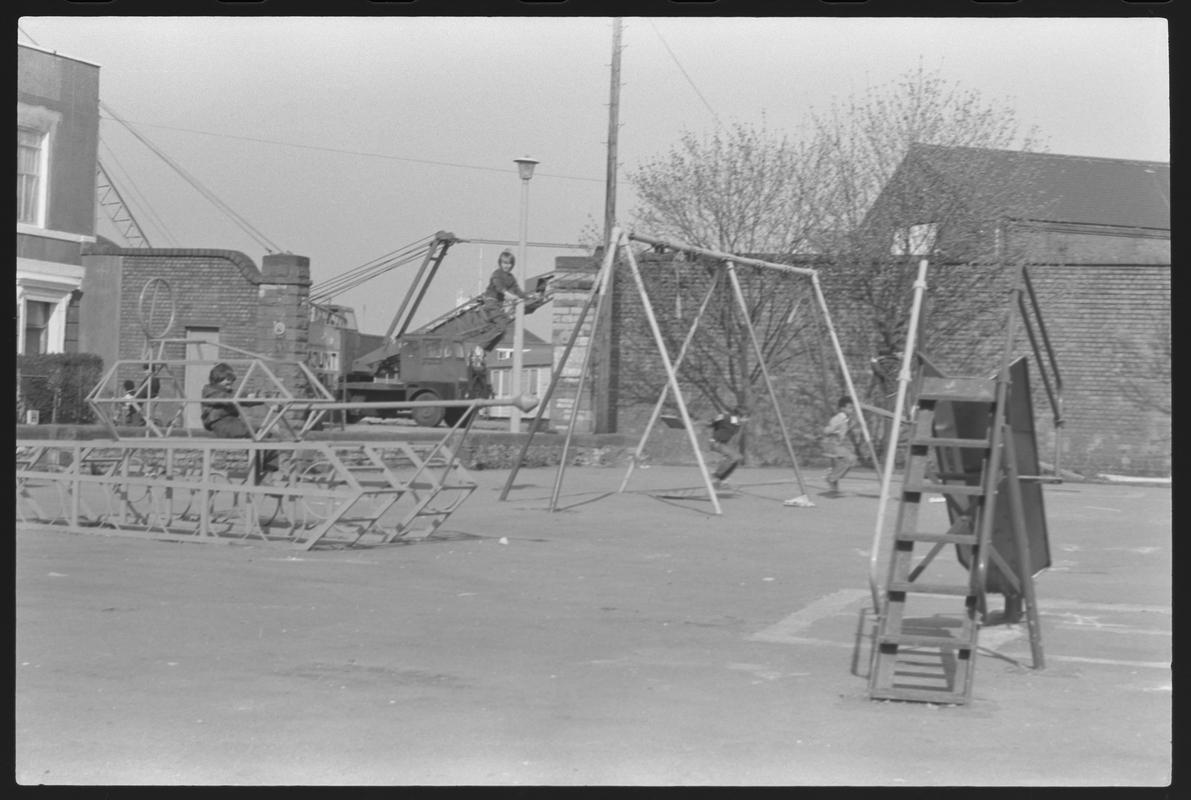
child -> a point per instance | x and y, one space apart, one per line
222 417
132 414
724 429
501 282
837 445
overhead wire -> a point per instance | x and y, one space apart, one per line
250 229
326 290
681 69
341 151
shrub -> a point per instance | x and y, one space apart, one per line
56 385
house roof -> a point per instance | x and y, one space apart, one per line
1073 189
531 339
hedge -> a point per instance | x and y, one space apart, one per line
56 385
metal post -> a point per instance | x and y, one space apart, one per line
903 383
672 377
602 278
525 172
768 382
843 365
657 409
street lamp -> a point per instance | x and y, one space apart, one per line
525 167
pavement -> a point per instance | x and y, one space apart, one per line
621 640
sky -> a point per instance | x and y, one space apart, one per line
345 139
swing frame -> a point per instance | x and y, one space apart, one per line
620 242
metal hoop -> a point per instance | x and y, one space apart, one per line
158 286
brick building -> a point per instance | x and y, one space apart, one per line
218 296
57 141
1096 235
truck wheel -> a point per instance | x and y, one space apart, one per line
427 416
454 415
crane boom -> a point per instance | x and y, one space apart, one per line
110 200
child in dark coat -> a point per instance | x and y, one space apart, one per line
222 417
724 429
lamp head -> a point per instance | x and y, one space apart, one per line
525 167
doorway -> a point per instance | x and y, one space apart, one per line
199 360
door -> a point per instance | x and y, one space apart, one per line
199 360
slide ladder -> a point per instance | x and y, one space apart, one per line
961 447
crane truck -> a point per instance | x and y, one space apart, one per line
444 359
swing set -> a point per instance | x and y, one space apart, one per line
599 296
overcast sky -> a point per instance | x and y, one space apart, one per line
344 139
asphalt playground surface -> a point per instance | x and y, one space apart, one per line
621 640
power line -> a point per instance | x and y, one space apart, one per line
685 75
243 223
364 154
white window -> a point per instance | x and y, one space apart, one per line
40 326
915 240
31 172
534 381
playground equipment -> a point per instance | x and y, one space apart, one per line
175 484
600 289
972 440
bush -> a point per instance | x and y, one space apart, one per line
56 385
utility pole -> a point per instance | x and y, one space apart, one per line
602 384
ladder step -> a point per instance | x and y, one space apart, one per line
945 538
945 441
920 695
944 488
973 390
928 588
919 640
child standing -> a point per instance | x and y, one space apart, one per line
724 429
132 414
836 444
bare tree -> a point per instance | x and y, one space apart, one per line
919 167
739 190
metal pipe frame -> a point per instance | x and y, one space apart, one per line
212 491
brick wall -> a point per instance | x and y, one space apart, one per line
804 384
1082 246
282 317
211 289
574 280
1105 322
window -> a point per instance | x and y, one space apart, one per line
915 240
31 168
534 380
37 327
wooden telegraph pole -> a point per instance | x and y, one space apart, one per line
602 388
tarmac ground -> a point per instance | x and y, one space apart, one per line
624 639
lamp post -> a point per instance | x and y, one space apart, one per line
525 167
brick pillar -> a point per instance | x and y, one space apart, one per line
283 320
574 277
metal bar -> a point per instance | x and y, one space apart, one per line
657 409
903 384
604 291
672 377
401 318
556 375
765 373
753 262
843 364
1021 540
